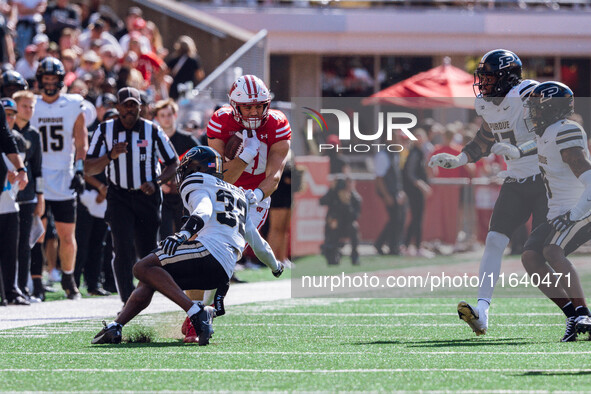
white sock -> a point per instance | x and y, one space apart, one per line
483 305
194 309
491 263
208 296
114 323
68 272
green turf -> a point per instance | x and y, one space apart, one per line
309 345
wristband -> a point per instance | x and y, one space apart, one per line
109 155
259 194
39 185
79 166
22 169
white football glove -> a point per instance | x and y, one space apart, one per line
254 196
251 146
505 149
446 160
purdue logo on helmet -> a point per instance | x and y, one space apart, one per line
199 159
50 66
548 103
498 71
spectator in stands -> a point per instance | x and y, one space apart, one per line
133 13
185 65
7 54
29 21
138 27
128 74
153 33
150 65
418 190
41 41
60 15
27 65
109 61
70 61
97 32
68 40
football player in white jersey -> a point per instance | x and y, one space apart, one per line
220 220
565 163
499 102
60 121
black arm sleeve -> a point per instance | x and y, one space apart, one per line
473 149
7 138
36 156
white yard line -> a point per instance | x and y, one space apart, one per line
107 307
293 371
184 353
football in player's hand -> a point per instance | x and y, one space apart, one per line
234 147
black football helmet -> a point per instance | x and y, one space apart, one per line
50 66
548 103
200 159
502 64
12 82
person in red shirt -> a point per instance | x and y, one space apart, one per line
267 135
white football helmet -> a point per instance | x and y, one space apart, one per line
250 90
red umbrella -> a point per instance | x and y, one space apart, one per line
443 86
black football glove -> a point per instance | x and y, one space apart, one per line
172 242
562 222
78 183
277 273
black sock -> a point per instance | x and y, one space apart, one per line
37 259
582 311
569 310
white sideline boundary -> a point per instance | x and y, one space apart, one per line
64 311
293 371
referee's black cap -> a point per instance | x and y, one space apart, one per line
126 94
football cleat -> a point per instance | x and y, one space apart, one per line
202 322
190 334
583 324
471 317
108 334
185 326
570 335
69 286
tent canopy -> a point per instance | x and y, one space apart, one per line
442 86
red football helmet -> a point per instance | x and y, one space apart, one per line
250 90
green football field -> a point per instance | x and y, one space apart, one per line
309 345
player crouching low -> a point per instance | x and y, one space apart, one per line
222 226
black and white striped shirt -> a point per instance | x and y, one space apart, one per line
146 144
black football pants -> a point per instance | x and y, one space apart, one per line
134 218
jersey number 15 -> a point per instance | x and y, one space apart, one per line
54 139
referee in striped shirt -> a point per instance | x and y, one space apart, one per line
130 149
